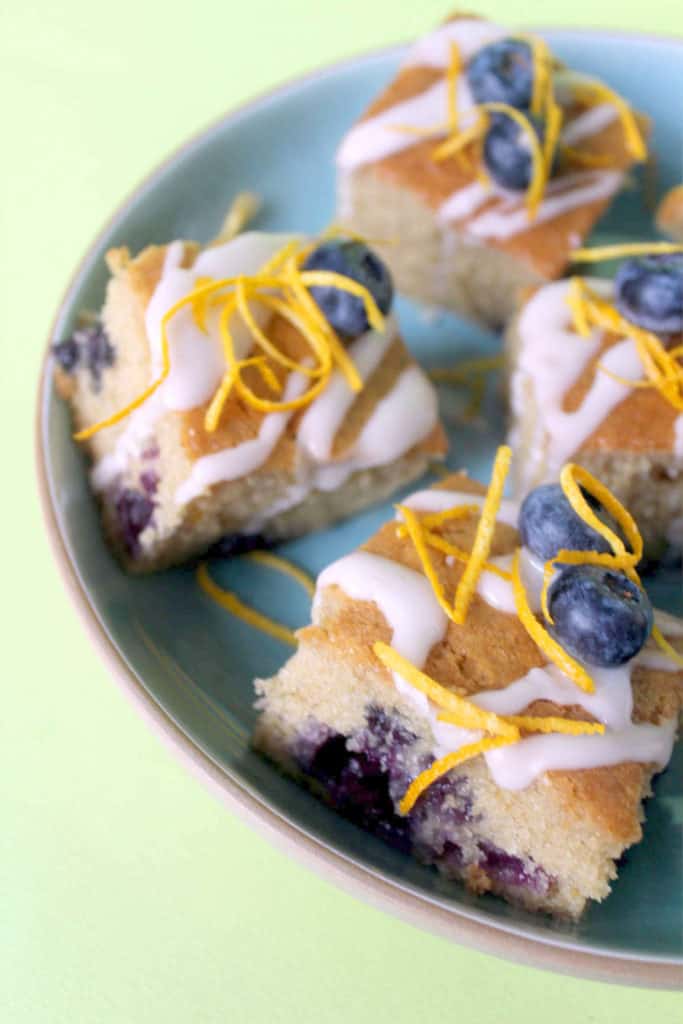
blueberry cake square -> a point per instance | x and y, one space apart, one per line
482 165
432 702
597 376
221 394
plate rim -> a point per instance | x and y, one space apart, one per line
355 879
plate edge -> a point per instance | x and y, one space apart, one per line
332 866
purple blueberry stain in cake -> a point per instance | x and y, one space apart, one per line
509 870
149 481
134 510
237 544
152 451
364 777
87 347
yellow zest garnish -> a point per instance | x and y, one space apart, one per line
283 565
581 158
542 638
461 712
457 512
464 369
444 765
542 67
457 142
666 647
282 274
574 480
437 542
416 534
576 300
554 118
226 599
452 74
484 535
552 723
586 89
662 367
616 252
243 208
538 165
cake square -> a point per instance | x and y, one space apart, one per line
588 395
457 235
272 464
540 820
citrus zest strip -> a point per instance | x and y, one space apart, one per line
464 369
243 208
538 164
553 723
599 253
425 779
462 712
283 565
542 638
226 599
484 535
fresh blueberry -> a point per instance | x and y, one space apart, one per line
503 72
599 615
548 523
507 152
649 292
343 311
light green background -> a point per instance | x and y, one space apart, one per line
127 893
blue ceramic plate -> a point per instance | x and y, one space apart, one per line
190 665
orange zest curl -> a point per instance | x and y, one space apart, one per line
281 288
662 367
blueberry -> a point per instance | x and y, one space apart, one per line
67 353
134 510
88 346
649 292
548 523
343 311
507 152
599 615
503 72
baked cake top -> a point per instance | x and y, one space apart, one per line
235 343
450 86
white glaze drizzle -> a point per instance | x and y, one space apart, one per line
551 358
417 623
678 437
502 223
323 418
592 121
398 592
247 457
516 766
468 34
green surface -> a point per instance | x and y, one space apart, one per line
128 893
